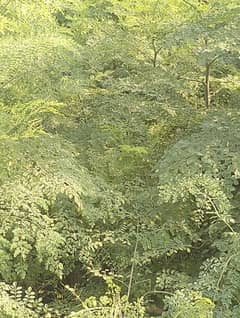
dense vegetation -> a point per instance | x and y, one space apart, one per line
119 157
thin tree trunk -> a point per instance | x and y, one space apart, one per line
155 53
155 59
207 94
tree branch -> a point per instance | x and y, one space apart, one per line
213 60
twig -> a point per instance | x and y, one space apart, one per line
190 4
133 265
217 213
224 270
213 60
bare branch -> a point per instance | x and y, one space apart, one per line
190 4
213 60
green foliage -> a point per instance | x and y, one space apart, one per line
27 120
192 305
111 305
23 79
16 303
112 172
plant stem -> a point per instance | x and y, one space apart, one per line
224 270
133 265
